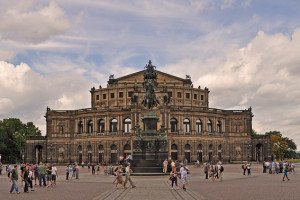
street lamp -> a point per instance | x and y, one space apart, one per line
51 148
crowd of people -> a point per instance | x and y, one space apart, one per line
43 174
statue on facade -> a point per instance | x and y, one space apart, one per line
149 84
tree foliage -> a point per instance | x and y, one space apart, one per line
13 138
283 147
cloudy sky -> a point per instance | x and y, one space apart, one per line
246 52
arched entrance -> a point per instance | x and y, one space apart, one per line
220 152
174 152
259 152
210 153
100 154
38 153
113 154
200 153
187 152
89 154
79 151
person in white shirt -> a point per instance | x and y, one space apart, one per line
165 166
54 175
183 177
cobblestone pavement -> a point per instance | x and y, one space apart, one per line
98 187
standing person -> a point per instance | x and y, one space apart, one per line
30 177
165 166
244 168
212 173
70 170
49 174
285 171
67 172
77 171
13 179
206 167
93 168
248 167
128 171
1 168
89 166
42 172
25 176
119 178
54 175
98 168
183 177
221 170
36 173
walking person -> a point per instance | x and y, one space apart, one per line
93 169
206 168
165 166
30 177
183 178
13 179
119 178
77 171
36 173
173 178
285 171
212 173
244 169
128 171
70 172
221 170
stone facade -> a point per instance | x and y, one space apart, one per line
105 131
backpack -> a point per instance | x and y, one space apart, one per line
221 168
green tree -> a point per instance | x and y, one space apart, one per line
13 138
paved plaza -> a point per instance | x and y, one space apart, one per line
234 186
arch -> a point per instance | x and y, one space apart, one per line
100 153
89 154
187 152
220 152
259 154
198 126
79 151
127 149
219 127
186 125
173 123
209 126
174 152
38 153
101 126
90 126
113 125
200 153
127 125
113 154
210 153
80 127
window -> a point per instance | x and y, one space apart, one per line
173 123
198 126
187 95
103 96
112 95
130 93
178 94
61 129
219 127
186 126
113 125
80 127
202 97
209 126
127 125
170 94
195 96
120 94
101 126
90 126
97 97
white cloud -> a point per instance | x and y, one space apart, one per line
25 94
263 74
32 25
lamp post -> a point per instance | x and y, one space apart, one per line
51 148
249 151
